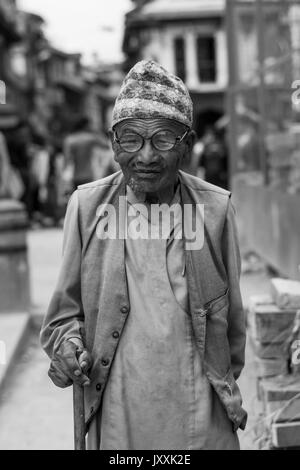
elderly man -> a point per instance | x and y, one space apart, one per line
151 323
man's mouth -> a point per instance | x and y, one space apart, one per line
147 172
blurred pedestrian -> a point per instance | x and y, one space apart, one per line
4 168
210 160
19 140
58 193
102 161
79 150
11 183
39 175
152 326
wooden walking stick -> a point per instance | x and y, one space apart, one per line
79 417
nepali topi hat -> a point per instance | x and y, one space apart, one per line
150 91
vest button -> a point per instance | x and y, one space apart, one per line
105 362
98 387
202 312
116 335
125 310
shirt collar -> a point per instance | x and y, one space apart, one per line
138 198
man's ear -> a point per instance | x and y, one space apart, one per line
190 142
111 136
113 143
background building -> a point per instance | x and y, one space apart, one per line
188 37
10 34
264 45
47 88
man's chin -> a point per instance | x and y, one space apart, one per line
141 186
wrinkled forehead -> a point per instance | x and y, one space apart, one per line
150 126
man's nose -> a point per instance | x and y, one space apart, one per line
147 154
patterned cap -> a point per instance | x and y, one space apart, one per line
149 91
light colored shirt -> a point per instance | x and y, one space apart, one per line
157 396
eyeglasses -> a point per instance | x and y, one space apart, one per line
162 140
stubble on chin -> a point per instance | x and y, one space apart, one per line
136 186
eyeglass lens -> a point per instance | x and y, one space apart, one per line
163 140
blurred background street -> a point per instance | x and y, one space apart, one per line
61 67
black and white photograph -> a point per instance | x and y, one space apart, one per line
149 227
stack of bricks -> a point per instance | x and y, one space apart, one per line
271 323
281 403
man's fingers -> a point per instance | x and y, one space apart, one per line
85 361
67 357
82 380
78 376
62 380
74 363
59 378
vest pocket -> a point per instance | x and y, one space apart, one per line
217 304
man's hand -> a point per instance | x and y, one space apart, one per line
71 364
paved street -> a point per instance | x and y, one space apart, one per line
36 415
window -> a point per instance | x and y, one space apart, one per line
206 59
179 58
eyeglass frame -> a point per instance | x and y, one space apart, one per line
178 140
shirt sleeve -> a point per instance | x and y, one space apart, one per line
65 317
236 317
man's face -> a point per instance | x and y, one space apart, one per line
150 170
